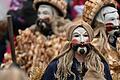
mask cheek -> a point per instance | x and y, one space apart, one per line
75 40
116 22
87 39
48 18
112 23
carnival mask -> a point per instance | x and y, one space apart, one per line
112 21
112 26
45 15
109 17
80 40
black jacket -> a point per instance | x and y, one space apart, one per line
52 68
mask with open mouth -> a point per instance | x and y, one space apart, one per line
81 48
44 27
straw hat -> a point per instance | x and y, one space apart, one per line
92 8
59 5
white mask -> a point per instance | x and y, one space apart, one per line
80 34
45 12
108 16
112 18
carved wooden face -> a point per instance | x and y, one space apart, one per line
110 17
80 40
111 21
80 35
45 13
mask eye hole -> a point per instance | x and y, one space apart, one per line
39 12
86 35
76 35
112 19
46 12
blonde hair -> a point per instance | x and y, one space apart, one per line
101 30
59 25
92 62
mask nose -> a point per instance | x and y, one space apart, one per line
81 39
41 16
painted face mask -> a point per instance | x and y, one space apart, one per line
80 35
80 40
112 27
110 17
112 21
45 15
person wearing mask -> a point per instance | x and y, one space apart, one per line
79 59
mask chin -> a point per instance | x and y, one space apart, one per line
44 27
42 24
81 49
